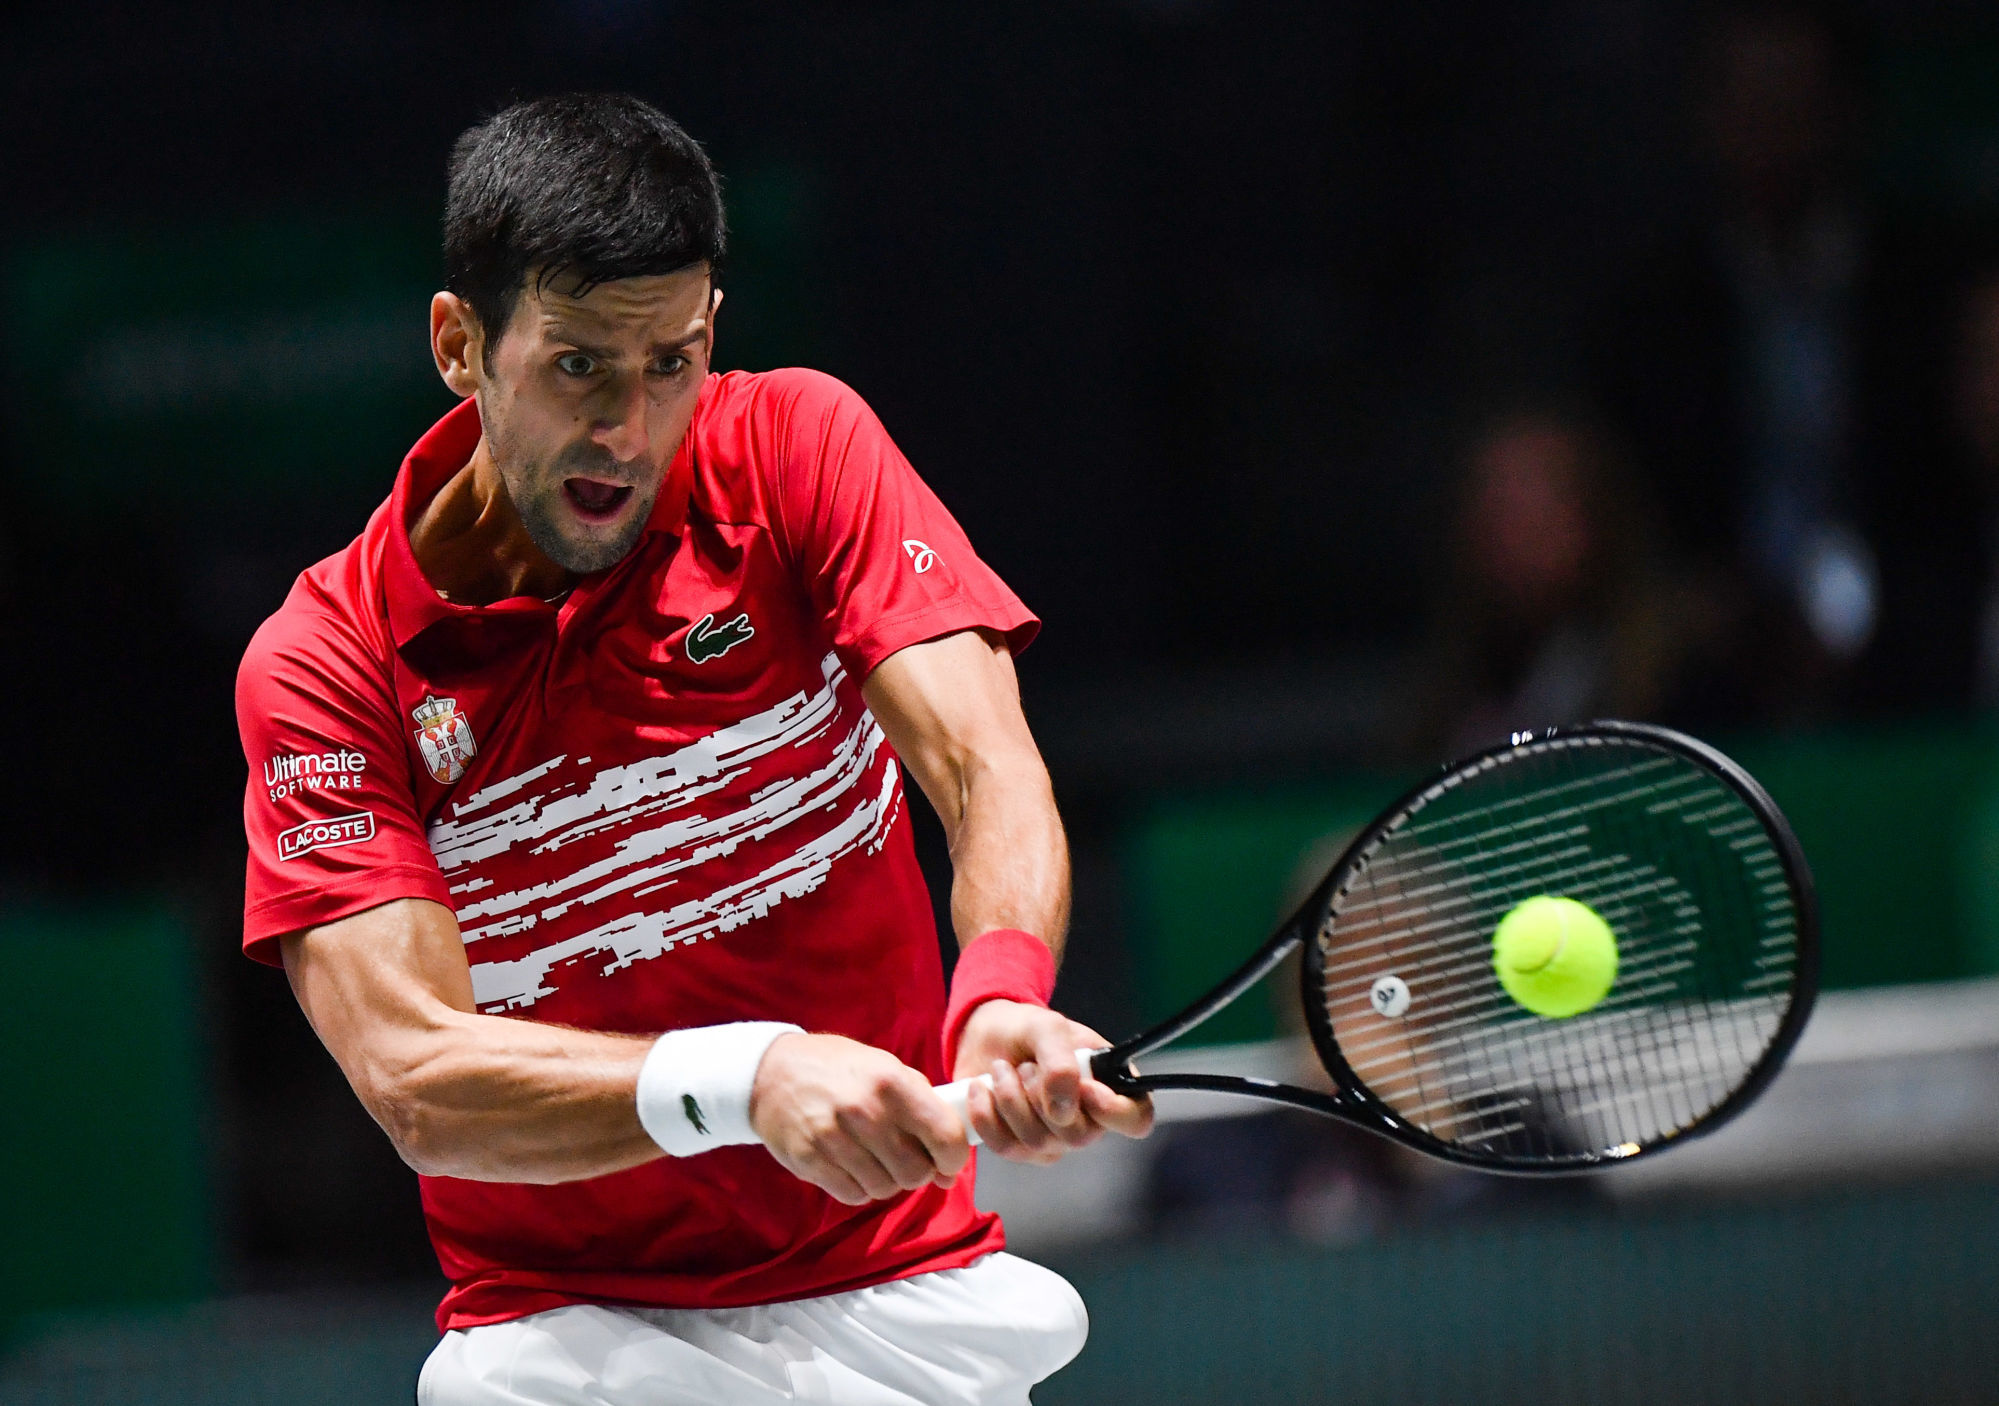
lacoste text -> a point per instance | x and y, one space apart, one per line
326 834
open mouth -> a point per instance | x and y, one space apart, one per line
595 500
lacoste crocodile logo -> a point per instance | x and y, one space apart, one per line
693 1112
706 640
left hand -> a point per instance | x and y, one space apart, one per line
1040 1105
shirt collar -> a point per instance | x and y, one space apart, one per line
413 603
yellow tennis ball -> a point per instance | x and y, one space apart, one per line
1555 956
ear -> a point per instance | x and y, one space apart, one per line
714 306
456 344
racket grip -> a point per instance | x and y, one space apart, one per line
957 1096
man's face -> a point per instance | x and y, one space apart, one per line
585 400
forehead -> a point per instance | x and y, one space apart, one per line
653 306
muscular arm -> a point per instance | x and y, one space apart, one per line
951 708
461 1094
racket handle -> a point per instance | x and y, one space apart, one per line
957 1096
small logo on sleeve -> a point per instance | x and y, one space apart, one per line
444 738
693 1112
706 640
291 772
326 834
922 555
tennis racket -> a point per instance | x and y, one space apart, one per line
1670 842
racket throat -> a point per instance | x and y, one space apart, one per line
1334 1102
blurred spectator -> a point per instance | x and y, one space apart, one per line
1775 368
1555 609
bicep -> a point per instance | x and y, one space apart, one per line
377 986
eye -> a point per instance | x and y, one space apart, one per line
575 364
670 365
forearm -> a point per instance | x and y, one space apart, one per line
951 708
491 1099
1009 857
459 1093
1009 900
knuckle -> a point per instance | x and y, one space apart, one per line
860 1118
834 1147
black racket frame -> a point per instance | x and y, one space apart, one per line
1350 1101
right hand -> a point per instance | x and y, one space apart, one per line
853 1120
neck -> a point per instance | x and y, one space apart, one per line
471 545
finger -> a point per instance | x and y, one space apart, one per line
831 1179
920 1114
1079 1131
1037 1140
1113 1111
860 1163
908 1160
1061 1083
992 1128
905 1157
1103 1106
901 1157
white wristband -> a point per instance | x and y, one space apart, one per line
694 1087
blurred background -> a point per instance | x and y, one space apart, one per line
1345 384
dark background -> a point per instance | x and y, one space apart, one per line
1183 306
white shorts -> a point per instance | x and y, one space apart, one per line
977 1336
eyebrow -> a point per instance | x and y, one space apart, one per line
592 349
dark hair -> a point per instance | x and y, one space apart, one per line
594 186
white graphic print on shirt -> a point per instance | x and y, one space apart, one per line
660 794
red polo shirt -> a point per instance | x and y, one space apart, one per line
660 804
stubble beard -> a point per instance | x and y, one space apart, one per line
537 495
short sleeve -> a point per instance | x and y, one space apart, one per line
884 562
329 812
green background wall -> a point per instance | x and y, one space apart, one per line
103 1174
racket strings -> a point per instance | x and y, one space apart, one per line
1455 966
1669 855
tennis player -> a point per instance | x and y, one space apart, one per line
576 817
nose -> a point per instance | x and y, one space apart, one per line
622 428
